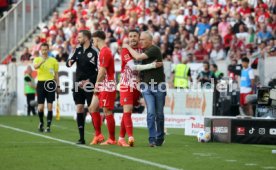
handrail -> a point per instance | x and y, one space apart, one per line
10 10
16 25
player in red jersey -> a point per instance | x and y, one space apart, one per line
105 91
129 95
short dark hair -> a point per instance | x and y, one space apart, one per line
134 30
45 45
206 62
86 33
245 59
99 34
215 66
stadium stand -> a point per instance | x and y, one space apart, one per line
226 29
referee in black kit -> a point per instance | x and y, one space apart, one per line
86 57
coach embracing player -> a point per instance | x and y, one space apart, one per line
86 58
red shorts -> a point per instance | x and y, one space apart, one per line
107 99
129 96
243 98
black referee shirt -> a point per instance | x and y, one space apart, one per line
87 63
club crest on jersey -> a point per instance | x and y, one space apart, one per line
89 55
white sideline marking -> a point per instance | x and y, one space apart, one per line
269 167
231 160
250 164
264 146
203 154
94 149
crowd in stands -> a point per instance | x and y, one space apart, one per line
194 30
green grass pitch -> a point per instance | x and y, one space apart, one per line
25 151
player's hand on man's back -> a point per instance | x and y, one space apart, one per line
158 64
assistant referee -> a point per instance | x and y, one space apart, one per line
48 83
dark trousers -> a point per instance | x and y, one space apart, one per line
30 97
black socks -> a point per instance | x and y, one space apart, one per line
41 115
49 118
80 121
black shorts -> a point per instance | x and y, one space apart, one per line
46 90
80 96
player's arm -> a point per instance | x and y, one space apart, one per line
101 74
71 59
135 54
252 79
100 77
139 67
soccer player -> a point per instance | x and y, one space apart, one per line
153 88
48 83
86 58
129 94
105 92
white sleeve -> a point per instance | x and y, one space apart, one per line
251 74
134 67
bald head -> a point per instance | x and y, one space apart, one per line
146 39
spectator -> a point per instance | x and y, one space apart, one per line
35 54
263 34
272 52
26 55
36 46
62 56
262 14
201 54
214 36
245 10
176 56
203 27
236 27
243 35
252 39
223 26
217 53
82 25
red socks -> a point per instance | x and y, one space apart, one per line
123 128
96 121
128 123
111 126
